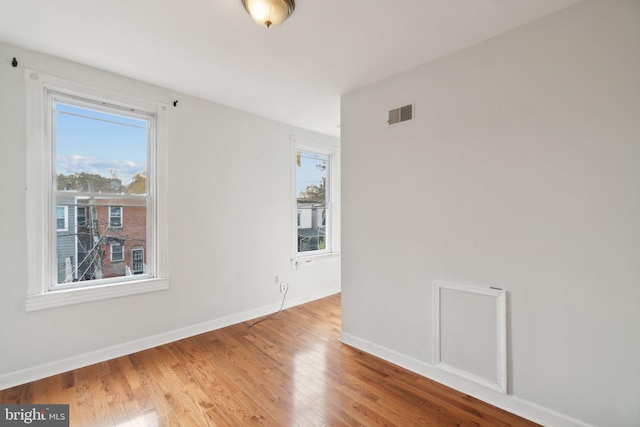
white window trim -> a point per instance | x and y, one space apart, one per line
40 178
111 252
78 208
121 217
133 250
66 218
299 259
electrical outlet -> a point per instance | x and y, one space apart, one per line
277 280
284 286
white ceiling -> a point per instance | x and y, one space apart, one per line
294 73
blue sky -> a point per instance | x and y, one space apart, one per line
308 173
98 143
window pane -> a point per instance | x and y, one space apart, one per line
117 253
99 152
311 176
81 216
92 249
115 216
138 264
311 188
61 217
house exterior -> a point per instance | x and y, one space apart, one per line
122 229
84 241
311 225
66 230
100 238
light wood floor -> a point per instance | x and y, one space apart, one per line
290 370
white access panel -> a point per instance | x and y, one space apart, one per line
471 333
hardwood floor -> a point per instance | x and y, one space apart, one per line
290 370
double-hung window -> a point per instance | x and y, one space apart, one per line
100 156
137 260
81 216
62 218
115 216
315 195
117 252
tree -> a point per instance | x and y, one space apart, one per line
138 184
314 193
88 182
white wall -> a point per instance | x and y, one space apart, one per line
520 171
230 231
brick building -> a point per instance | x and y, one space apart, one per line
121 230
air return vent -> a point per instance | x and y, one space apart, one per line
400 115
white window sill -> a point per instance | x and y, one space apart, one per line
303 261
64 297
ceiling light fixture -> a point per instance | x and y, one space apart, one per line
269 13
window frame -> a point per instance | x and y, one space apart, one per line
65 218
332 234
133 259
111 252
120 216
82 223
41 224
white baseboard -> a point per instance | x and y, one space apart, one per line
513 404
59 366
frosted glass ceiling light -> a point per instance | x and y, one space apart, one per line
269 13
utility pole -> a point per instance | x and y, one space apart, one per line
95 234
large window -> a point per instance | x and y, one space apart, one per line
100 158
314 192
103 151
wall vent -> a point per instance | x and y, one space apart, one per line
400 115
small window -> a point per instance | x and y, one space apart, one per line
312 179
313 187
115 216
81 216
137 260
117 252
62 218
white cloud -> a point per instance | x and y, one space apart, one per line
75 163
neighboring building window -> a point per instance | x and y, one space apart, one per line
115 216
62 218
81 216
105 151
117 252
137 260
313 195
